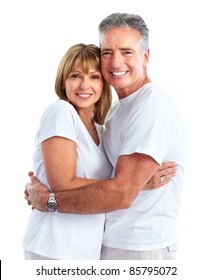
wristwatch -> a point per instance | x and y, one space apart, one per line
52 205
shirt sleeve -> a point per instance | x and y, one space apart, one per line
149 131
59 119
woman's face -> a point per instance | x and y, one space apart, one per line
83 90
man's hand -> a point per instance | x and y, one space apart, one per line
36 193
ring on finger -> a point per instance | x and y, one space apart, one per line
161 179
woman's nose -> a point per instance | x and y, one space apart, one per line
84 83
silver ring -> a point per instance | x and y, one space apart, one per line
161 179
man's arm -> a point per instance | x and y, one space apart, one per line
132 173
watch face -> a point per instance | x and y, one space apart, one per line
52 206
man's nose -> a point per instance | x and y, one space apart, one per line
116 60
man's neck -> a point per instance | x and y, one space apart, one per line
128 91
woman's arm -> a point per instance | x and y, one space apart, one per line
60 159
165 172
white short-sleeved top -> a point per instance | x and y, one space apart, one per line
147 122
58 235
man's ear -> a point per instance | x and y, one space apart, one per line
146 57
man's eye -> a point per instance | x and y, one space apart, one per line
105 53
127 52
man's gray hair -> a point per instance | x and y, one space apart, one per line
126 20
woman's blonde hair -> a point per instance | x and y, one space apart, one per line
85 55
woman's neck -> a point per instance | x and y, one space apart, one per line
86 114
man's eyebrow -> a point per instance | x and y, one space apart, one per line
122 49
105 49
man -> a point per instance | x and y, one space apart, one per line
143 129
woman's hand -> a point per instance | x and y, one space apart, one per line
162 176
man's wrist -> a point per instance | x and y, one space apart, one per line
42 201
51 204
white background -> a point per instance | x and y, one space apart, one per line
34 36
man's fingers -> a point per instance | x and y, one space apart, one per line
25 192
26 195
34 180
30 173
27 188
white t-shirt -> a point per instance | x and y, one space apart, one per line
146 122
67 236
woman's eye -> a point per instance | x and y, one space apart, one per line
96 77
74 76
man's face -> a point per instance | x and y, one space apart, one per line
123 63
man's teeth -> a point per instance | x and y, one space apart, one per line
118 73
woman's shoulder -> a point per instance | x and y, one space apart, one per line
60 106
59 109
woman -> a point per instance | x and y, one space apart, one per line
68 150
